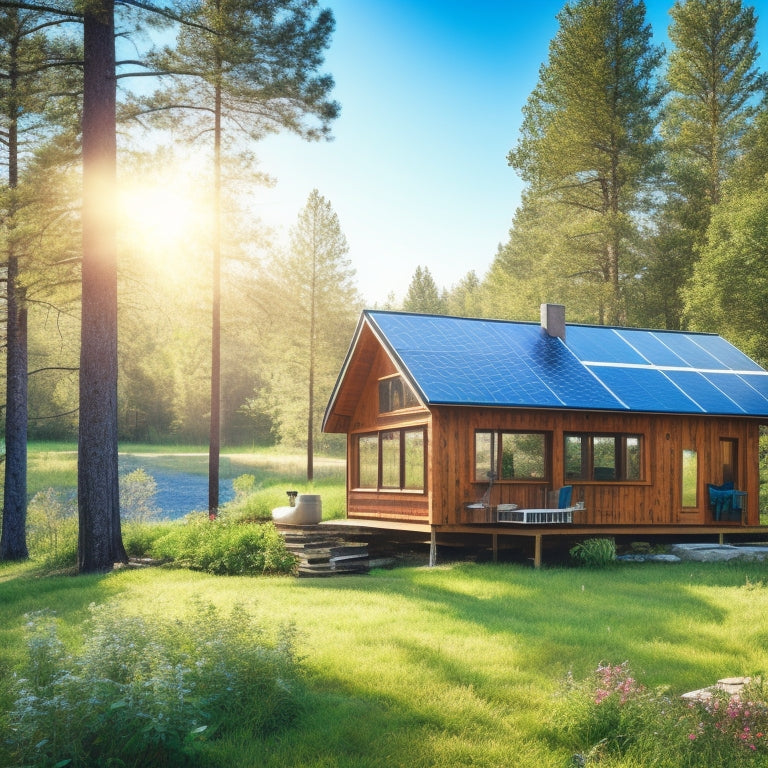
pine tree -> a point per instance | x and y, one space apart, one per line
587 148
244 68
714 89
31 58
423 295
317 307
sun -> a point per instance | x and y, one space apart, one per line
165 218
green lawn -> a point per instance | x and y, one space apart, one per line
450 666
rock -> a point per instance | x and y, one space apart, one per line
718 553
649 557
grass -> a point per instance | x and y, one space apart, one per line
450 666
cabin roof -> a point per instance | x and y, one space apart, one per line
478 362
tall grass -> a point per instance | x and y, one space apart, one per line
451 666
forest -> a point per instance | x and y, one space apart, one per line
645 204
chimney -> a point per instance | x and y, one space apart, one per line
553 319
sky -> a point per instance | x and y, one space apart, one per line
431 98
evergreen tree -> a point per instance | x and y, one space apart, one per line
244 68
587 149
714 89
728 291
31 88
423 295
314 316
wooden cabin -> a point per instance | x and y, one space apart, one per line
450 419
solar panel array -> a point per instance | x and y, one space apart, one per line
463 361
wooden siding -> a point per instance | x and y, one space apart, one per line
655 500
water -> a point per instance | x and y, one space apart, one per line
178 493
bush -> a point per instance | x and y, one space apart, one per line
138 538
611 719
146 691
594 553
224 547
52 528
137 492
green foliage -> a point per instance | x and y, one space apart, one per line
588 151
137 491
423 295
729 290
223 547
144 691
610 719
594 553
52 528
138 537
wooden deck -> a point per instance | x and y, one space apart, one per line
536 534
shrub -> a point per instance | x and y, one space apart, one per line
594 553
137 492
146 691
224 547
52 528
610 717
138 538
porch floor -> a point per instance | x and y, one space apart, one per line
496 534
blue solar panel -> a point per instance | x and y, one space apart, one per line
689 348
744 390
727 354
491 362
604 347
706 394
651 347
646 389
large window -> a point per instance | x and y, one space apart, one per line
603 457
510 455
392 460
395 395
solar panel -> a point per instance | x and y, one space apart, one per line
689 349
646 389
497 363
651 347
607 346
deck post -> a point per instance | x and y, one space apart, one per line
537 551
495 546
432 548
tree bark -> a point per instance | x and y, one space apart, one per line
100 539
13 542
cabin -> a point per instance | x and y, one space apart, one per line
456 423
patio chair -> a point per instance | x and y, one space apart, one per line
725 502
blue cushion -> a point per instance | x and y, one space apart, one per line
564 497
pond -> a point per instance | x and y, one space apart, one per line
178 492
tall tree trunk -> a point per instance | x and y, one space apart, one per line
214 443
100 539
13 542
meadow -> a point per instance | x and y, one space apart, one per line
463 664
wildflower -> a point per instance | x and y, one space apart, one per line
692 736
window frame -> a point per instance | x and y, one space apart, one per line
392 387
621 457
403 469
495 456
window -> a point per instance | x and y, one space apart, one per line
392 460
368 461
603 457
395 395
510 455
690 479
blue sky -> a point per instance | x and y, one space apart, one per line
431 96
